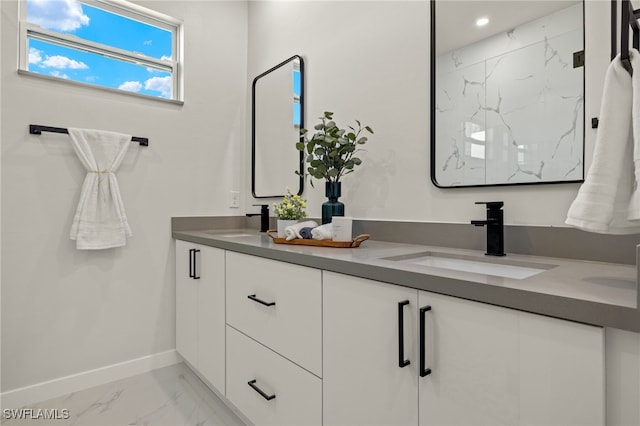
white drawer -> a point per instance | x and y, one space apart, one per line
292 325
296 394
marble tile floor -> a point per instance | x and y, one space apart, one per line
168 396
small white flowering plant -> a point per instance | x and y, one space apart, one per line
292 207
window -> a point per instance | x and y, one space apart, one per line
107 43
297 90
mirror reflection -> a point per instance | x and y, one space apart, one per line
277 116
507 92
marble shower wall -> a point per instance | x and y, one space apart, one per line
509 108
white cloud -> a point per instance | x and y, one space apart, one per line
35 55
131 86
59 15
62 62
165 58
58 74
159 84
148 42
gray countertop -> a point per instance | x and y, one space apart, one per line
603 294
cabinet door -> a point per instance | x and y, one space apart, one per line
472 351
363 383
200 310
562 372
186 303
211 316
493 365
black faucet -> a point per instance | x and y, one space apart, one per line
495 227
264 216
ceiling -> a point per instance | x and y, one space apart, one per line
455 19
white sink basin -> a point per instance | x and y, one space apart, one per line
230 235
498 267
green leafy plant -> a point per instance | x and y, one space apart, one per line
291 208
331 150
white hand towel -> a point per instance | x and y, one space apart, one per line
323 232
633 213
293 231
602 204
100 221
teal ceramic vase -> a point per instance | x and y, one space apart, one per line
332 207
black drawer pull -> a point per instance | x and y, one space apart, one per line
195 268
191 258
401 361
257 389
262 302
423 370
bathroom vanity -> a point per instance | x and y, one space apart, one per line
379 335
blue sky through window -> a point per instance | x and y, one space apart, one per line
97 25
297 89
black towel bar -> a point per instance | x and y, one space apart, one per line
629 19
36 129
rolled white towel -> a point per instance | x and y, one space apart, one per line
293 231
322 232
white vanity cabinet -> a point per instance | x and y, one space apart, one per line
274 340
488 365
200 310
289 344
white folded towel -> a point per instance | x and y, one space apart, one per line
323 232
100 221
293 231
604 203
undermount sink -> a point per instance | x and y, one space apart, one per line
499 267
231 235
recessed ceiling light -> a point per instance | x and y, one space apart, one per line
481 22
479 136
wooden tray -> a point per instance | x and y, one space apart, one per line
319 243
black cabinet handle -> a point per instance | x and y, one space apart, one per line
257 389
401 361
262 302
191 261
195 268
423 370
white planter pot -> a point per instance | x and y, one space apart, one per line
282 224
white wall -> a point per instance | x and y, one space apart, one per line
1 402
370 61
66 311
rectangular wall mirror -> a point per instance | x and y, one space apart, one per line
277 114
507 92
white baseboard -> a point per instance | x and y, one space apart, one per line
53 388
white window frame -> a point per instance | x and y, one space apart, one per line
119 7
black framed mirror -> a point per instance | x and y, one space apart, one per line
507 92
277 115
